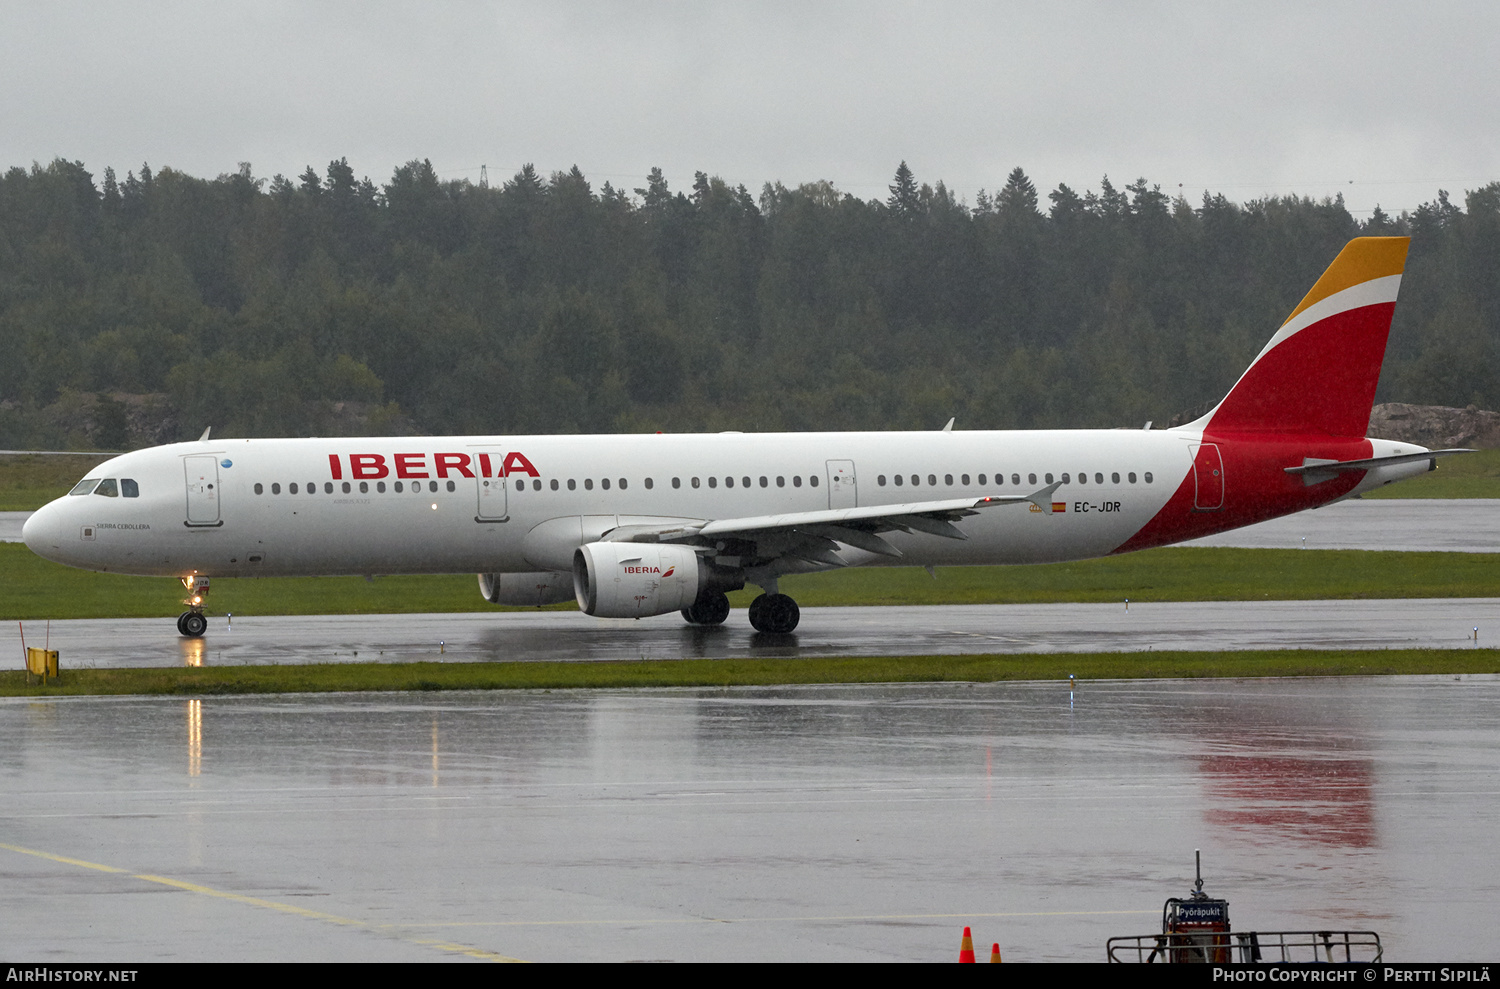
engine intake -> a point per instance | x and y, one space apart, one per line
636 580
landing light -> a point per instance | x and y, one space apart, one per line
434 506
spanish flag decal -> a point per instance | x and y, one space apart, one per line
1059 506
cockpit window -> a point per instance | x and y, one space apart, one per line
85 486
108 488
129 488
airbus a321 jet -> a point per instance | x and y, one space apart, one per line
640 525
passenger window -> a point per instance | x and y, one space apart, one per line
695 482
292 488
1115 477
572 484
676 482
1049 478
1031 478
259 489
451 486
275 488
780 481
108 488
880 480
346 487
364 487
86 486
965 479
328 487
813 480
899 481
796 480
380 487
130 489
915 480
745 481
728 482
764 482
604 483
1015 479
588 484
1147 476
932 480
948 479
982 481
649 484
398 487
432 487
713 482
554 484
1131 475
1064 478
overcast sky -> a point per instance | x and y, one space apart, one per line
1386 102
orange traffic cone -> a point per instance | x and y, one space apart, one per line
966 950
995 954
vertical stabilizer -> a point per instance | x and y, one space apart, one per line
1318 373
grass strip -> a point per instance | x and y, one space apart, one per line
35 589
347 677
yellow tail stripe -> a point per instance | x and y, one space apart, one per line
1362 259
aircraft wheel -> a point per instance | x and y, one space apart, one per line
192 624
777 614
180 619
709 609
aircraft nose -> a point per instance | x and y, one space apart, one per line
42 532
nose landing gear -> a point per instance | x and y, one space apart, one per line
191 623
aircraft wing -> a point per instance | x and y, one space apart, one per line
810 535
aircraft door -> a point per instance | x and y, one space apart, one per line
1208 478
843 490
492 493
202 489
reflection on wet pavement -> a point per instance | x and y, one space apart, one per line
816 823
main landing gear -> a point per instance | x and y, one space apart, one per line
776 614
191 623
710 609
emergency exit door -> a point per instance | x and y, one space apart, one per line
843 490
493 497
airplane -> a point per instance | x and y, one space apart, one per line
632 526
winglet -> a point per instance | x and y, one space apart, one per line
1043 498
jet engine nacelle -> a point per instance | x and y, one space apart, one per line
526 588
635 580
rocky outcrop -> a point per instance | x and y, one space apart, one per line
1436 426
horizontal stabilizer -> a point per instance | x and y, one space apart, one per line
1314 470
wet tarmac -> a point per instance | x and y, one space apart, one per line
796 824
1456 525
1441 623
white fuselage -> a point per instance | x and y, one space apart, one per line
282 507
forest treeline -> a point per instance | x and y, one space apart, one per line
327 304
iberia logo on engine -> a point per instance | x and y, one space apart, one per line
628 569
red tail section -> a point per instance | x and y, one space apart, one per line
1318 373
1307 395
